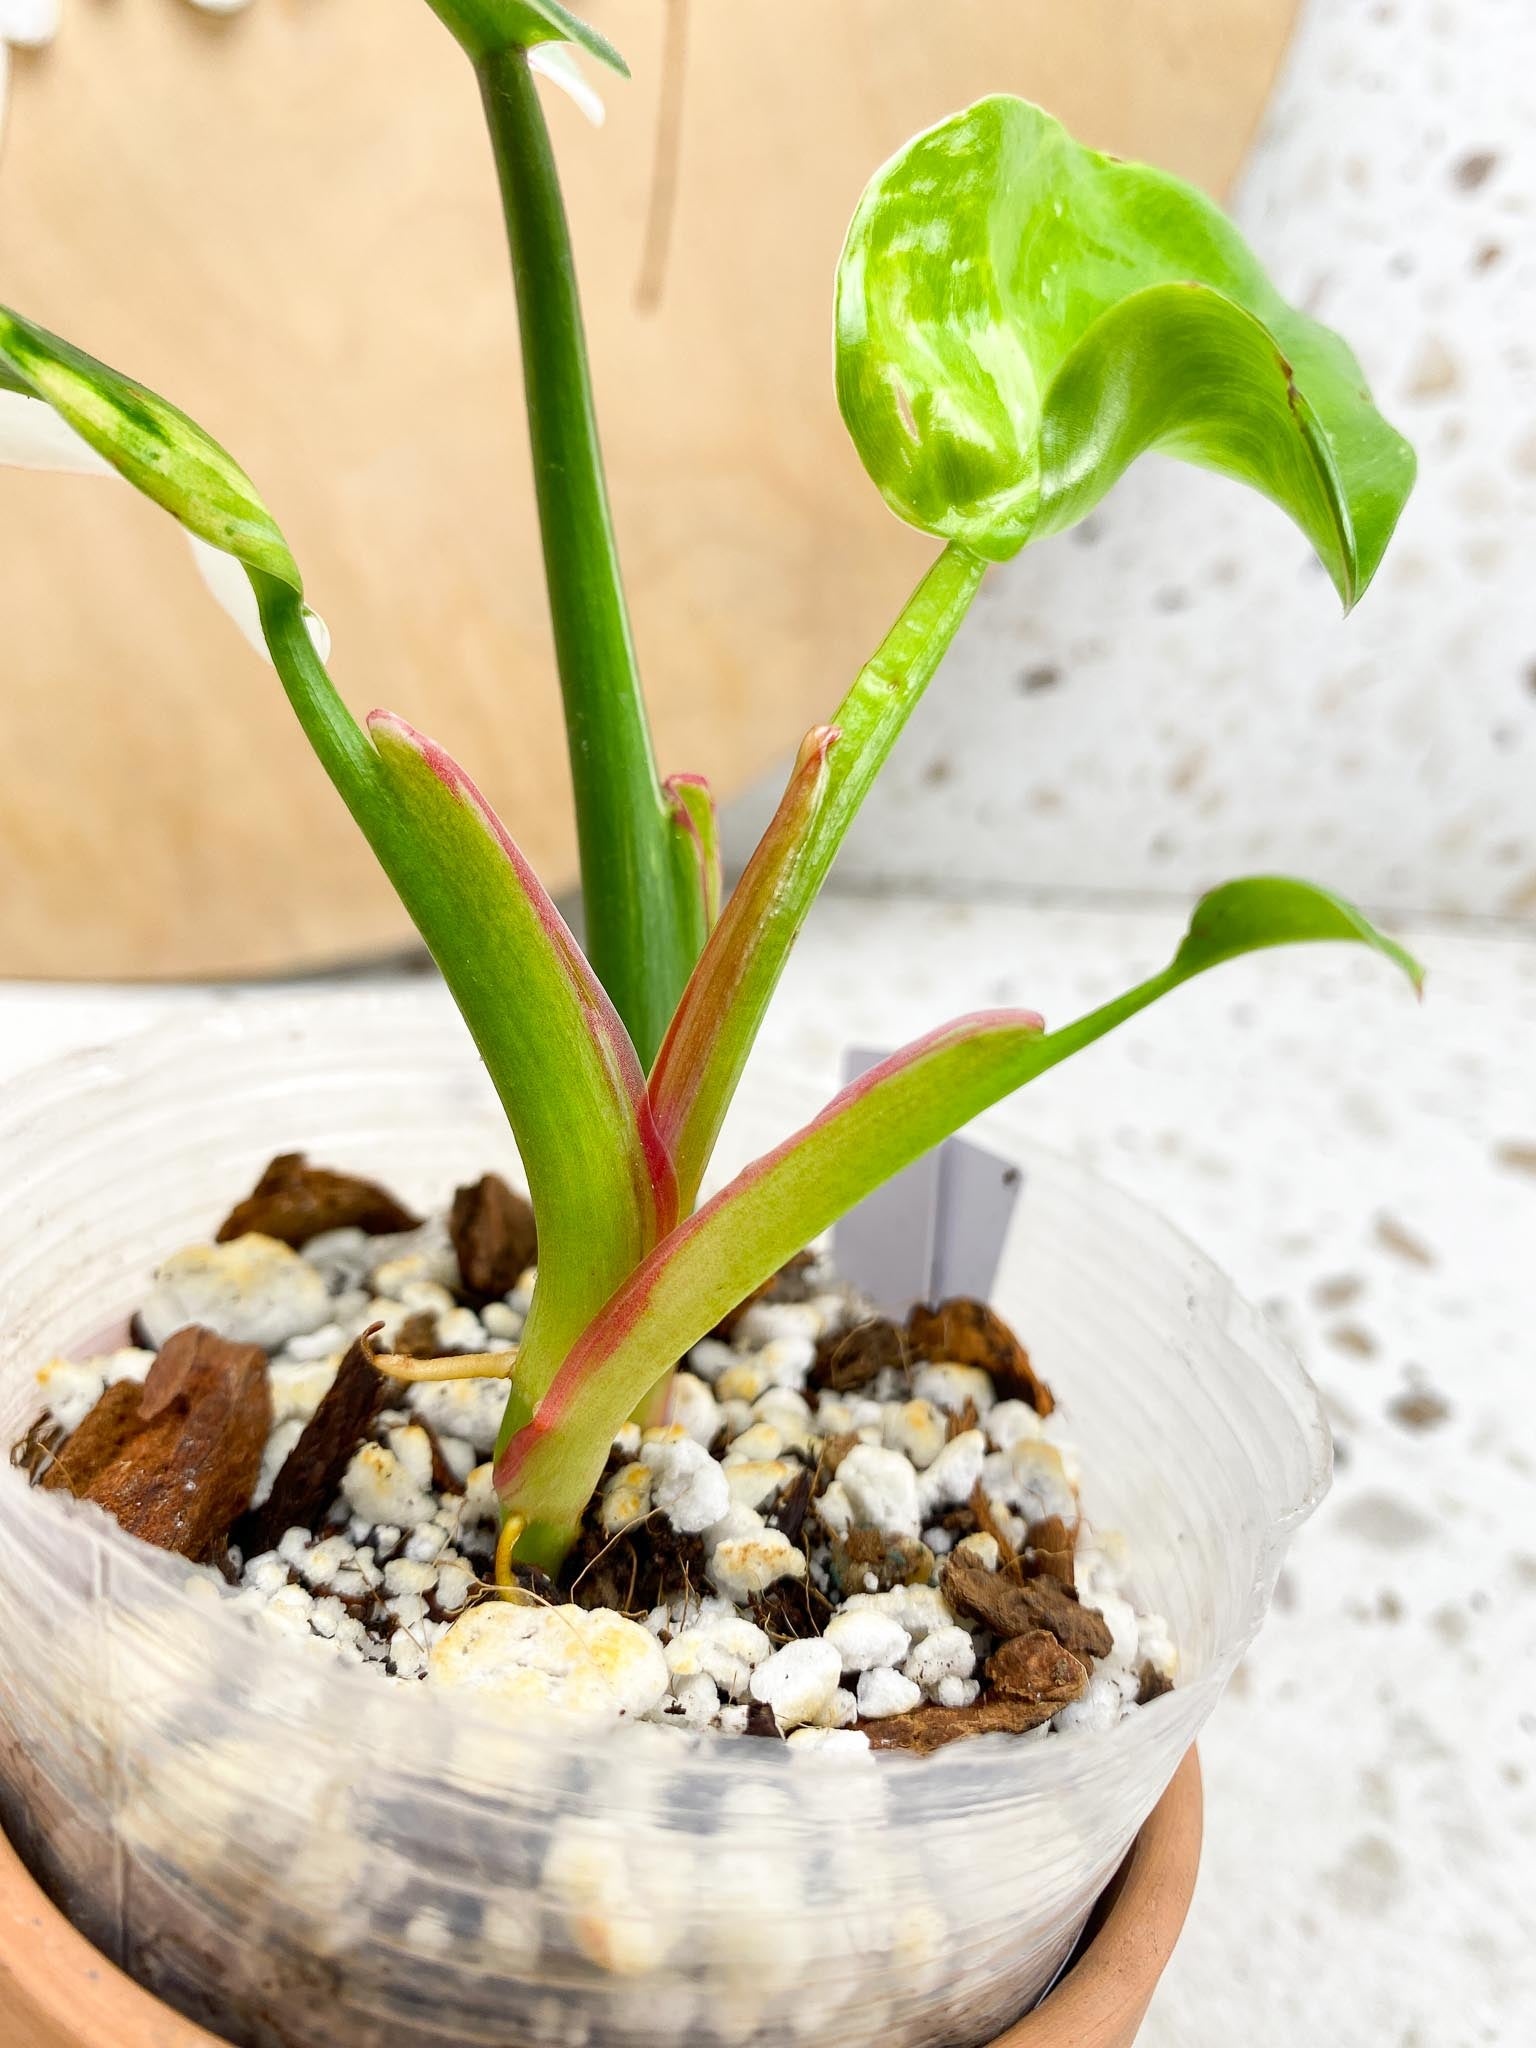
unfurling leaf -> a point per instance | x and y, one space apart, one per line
696 831
1018 317
873 1129
485 26
156 448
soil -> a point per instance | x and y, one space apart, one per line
828 1480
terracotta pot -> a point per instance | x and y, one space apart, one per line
57 1991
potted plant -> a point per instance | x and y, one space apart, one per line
514 1569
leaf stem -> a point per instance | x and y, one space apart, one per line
639 927
717 1021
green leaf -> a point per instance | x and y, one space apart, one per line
1015 323
156 448
888 1118
601 1184
486 26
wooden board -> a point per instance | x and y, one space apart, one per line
285 220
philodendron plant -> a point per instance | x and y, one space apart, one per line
1017 318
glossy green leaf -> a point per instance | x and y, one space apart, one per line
600 1182
156 448
888 1118
486 26
1018 317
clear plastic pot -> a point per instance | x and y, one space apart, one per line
306 1856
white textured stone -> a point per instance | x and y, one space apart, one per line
274 1456
883 1692
380 1485
950 1480
919 1609
686 1484
694 1407
865 1639
980 1549
1031 1478
954 1388
833 1509
917 1429
882 1490
943 1653
70 1389
743 1565
797 1680
298 1389
831 1741
754 1482
252 1290
726 1648
590 1663
759 1440
626 1498
1009 1421
709 1358
472 1409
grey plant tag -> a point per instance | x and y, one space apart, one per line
935 1230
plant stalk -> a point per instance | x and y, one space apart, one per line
641 928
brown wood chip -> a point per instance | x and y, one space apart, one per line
1035 1667
926 1729
1012 1607
852 1358
1050 1550
967 1332
1153 1685
294 1201
495 1236
176 1460
311 1473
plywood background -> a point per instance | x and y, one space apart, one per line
285 220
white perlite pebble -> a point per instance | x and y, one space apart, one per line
759 1440
1010 1421
743 1565
754 1482
626 1498
71 1388
884 1692
943 1654
866 1640
980 1549
273 1458
391 1483
697 1697
881 1488
686 1484
953 1387
787 1413
785 1361
693 1408
798 1680
710 1357
471 1409
1098 1709
951 1478
920 1609
774 1322
1032 1478
252 1290
298 1389
725 1648
956 1692
591 1663
917 1429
